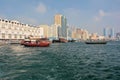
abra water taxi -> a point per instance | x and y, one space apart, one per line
42 42
96 42
60 40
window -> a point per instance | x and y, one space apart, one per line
15 36
3 35
20 36
9 36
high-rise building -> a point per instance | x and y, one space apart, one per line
111 33
58 20
105 32
108 33
61 22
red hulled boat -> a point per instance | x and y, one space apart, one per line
43 42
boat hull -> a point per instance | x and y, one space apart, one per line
40 44
96 42
61 40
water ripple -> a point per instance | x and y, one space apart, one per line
70 61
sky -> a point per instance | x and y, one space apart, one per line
92 15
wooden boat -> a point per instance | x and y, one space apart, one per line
60 40
24 41
63 40
37 43
96 42
71 40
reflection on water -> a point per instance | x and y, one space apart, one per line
70 61
17 48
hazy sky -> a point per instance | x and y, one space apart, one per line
92 15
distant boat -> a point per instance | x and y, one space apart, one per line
96 42
72 40
63 40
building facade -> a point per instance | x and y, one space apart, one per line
54 31
46 31
94 36
80 34
16 30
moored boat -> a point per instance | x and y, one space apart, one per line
63 40
60 40
72 40
24 41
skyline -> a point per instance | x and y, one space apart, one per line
92 15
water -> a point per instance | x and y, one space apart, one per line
64 61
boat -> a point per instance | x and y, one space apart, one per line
63 40
72 40
60 40
24 41
42 42
96 42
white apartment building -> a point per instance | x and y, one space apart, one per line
16 30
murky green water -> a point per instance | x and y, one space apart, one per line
64 61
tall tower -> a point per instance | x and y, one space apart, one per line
108 33
112 33
58 19
61 22
105 32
